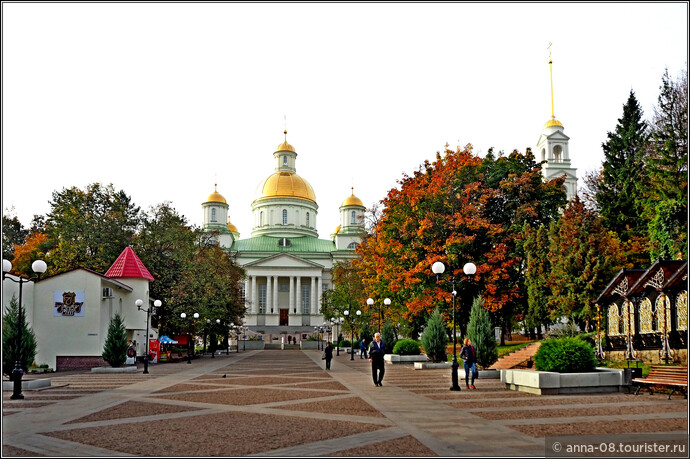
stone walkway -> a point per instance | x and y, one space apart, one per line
283 403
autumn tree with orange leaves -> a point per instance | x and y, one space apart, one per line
457 209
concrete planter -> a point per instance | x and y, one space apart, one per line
431 365
27 384
549 383
312 344
395 358
114 369
252 345
483 374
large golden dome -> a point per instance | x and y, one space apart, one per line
216 197
232 227
285 185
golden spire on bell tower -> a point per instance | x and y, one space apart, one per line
551 72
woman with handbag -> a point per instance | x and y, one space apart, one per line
469 355
328 355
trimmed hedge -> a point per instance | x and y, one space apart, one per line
407 347
565 355
344 343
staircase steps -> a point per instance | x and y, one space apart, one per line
516 358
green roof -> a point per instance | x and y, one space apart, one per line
303 244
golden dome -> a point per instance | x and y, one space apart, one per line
232 228
285 185
553 122
285 146
352 200
216 197
337 229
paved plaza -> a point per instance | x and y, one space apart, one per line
284 403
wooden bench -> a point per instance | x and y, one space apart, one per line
675 378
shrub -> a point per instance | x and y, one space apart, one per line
565 355
434 338
115 347
407 347
481 334
27 349
388 336
344 343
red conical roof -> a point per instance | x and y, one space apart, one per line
128 264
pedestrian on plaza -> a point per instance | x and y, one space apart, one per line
363 349
289 339
328 355
377 350
469 355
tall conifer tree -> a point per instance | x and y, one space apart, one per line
620 196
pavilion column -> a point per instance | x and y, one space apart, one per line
248 296
275 294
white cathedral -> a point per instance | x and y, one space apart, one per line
287 265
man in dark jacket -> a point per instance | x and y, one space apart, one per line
377 350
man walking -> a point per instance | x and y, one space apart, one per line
376 352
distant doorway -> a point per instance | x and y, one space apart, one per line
283 317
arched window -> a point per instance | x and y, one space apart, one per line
284 216
261 218
557 153
284 160
213 214
352 245
307 218
543 154
353 218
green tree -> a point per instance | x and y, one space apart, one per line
480 332
89 228
624 184
165 244
11 353
347 293
210 285
536 247
667 162
435 338
13 233
115 347
583 256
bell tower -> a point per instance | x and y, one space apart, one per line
552 147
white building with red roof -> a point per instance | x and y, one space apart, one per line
70 312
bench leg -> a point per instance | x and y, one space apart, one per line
637 389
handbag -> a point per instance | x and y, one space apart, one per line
323 356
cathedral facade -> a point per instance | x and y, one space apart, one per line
288 267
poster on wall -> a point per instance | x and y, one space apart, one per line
68 304
154 350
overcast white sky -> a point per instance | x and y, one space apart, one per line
164 99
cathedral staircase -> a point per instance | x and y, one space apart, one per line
516 359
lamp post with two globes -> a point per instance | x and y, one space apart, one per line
39 267
387 302
149 311
469 269
189 333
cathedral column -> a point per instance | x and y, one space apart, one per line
269 296
247 296
312 297
255 297
298 296
319 289
275 294
291 303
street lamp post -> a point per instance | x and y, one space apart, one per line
39 267
387 302
350 321
469 269
149 311
189 334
